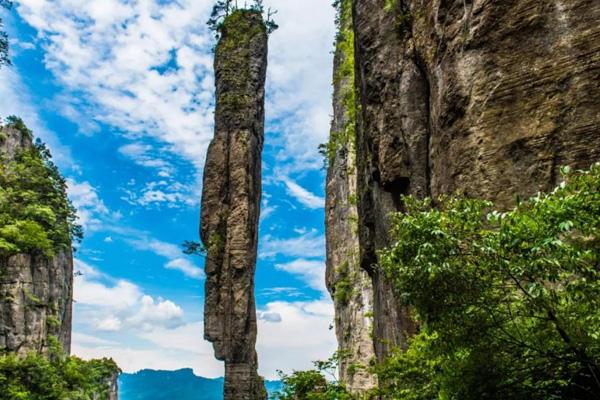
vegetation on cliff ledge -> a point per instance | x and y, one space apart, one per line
344 80
36 216
58 377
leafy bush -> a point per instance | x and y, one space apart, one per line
36 215
509 302
313 384
36 377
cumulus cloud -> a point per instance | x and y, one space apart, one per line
113 305
300 330
307 244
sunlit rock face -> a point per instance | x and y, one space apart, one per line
231 202
349 285
36 292
484 98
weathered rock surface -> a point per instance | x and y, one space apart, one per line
350 285
36 293
485 98
231 202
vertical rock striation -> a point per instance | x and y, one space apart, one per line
231 201
350 285
36 292
484 98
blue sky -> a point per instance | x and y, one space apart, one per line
122 91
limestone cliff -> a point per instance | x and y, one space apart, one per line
484 98
231 201
35 290
350 285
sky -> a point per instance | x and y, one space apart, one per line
122 92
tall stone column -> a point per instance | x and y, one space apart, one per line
231 201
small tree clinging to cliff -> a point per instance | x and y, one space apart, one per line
223 8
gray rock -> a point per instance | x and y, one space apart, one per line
231 202
350 286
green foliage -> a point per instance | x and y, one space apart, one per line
58 377
313 384
223 9
345 79
36 217
509 302
344 285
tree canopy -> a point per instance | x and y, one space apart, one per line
36 215
4 59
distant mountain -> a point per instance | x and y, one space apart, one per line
170 385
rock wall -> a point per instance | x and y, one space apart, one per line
231 202
350 285
479 97
36 293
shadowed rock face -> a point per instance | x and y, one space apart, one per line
36 293
231 202
484 98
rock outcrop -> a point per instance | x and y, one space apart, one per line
36 292
231 201
484 98
350 285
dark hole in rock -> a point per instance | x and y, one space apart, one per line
397 188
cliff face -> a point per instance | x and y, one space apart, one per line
484 98
231 201
350 285
36 292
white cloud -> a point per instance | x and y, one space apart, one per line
146 68
170 251
132 358
305 197
309 244
85 339
113 305
142 155
153 313
155 194
299 330
109 324
312 272
16 100
115 54
185 266
90 208
300 61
